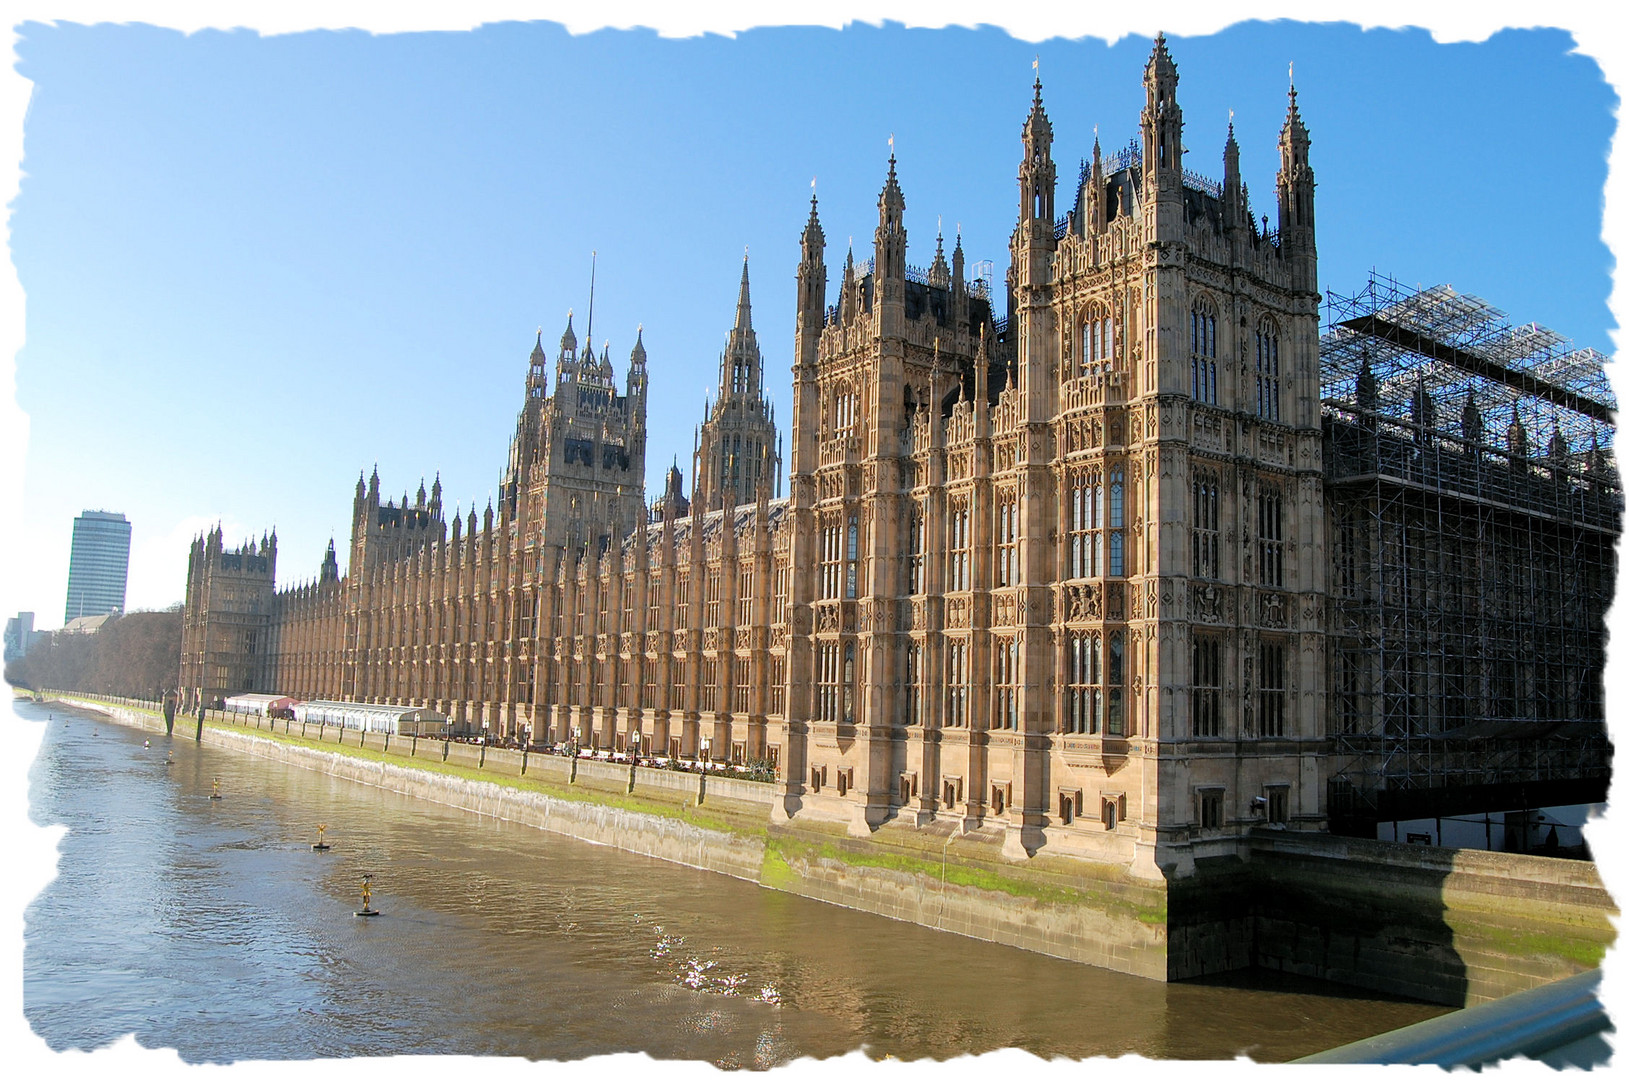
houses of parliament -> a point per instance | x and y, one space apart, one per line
1139 560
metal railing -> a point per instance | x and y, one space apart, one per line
1560 1022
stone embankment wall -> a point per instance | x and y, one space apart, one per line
1439 924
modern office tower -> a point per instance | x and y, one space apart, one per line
19 635
99 564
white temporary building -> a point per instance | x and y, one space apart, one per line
382 719
256 704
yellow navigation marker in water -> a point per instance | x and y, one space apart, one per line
321 844
169 759
367 895
217 792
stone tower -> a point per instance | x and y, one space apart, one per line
224 639
737 447
873 381
1065 565
576 474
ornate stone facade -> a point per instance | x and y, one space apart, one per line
1057 573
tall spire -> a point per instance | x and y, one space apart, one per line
889 241
743 303
593 268
811 284
1296 219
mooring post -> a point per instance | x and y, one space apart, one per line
445 744
701 788
633 767
198 736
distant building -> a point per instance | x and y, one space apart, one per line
89 624
20 635
99 564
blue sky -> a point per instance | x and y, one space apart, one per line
255 266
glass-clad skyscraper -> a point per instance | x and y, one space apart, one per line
99 564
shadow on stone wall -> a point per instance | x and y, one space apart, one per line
1441 925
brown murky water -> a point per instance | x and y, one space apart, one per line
210 926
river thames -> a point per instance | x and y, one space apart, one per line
210 926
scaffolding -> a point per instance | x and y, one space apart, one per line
1473 504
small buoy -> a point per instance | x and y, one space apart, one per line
145 744
321 844
367 895
170 758
217 792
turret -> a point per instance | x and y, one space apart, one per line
889 240
1235 211
1162 146
1037 178
537 376
740 366
939 272
1296 231
565 367
330 564
811 285
1470 420
638 377
1516 438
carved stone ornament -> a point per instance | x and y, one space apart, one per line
1273 610
1205 602
1082 603
826 619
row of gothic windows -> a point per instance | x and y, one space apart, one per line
1203 364
1271 684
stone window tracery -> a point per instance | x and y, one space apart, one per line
1083 696
1085 556
1202 342
1267 372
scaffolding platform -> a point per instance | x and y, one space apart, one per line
1473 505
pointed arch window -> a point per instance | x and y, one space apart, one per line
1083 697
1116 720
1270 536
1206 522
956 672
1117 522
1207 687
852 562
1202 340
914 556
1097 341
848 683
957 577
1267 375
1006 538
1086 525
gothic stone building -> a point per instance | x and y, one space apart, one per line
1059 573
